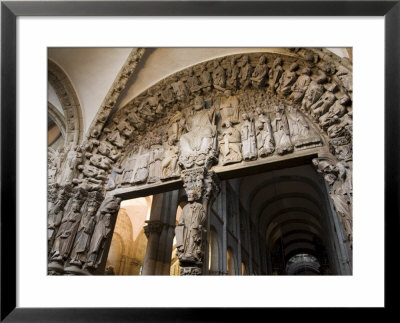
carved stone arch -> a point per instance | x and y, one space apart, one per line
128 149
58 118
66 93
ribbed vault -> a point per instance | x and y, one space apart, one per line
288 212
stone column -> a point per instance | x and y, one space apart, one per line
152 231
201 186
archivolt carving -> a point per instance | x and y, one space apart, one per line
69 101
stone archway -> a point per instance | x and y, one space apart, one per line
228 116
69 102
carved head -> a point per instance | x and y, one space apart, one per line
315 162
306 71
293 67
262 60
171 141
198 103
277 61
330 178
259 111
228 123
76 206
245 116
344 100
107 219
91 210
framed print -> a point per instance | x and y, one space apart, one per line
197 138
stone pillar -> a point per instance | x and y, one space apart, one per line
201 186
152 231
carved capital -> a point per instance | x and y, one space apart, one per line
191 271
154 226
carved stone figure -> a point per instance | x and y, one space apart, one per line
136 119
176 126
343 128
88 184
219 79
169 164
260 73
55 158
322 105
275 74
85 230
101 232
91 171
229 108
193 82
345 78
114 136
190 231
100 161
128 165
108 150
245 72
155 157
205 79
247 131
300 131
148 107
232 75
66 233
336 111
142 171
287 80
265 139
341 151
166 93
112 181
124 128
56 211
74 158
230 145
198 144
339 182
281 130
110 205
312 95
180 89
299 88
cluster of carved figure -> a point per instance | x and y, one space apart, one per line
230 110
79 223
338 176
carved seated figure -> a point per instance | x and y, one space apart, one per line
197 145
336 111
169 163
230 145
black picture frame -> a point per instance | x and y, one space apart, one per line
10 10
